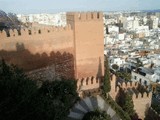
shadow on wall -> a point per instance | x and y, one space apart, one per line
99 72
23 58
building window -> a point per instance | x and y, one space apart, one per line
140 80
135 77
145 82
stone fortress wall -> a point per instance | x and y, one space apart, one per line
76 50
141 100
33 49
39 41
131 88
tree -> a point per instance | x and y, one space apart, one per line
17 94
115 67
120 98
56 98
126 76
96 115
138 63
22 99
129 106
124 100
106 84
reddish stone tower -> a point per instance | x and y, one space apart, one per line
88 43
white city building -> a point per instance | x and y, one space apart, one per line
146 76
116 60
112 28
58 19
131 23
155 22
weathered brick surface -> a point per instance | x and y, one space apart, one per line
140 101
76 50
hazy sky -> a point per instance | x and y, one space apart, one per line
37 6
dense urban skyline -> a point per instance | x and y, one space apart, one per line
48 6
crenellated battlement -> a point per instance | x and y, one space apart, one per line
88 83
132 88
142 95
30 32
83 16
3 34
128 84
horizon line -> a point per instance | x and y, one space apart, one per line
59 11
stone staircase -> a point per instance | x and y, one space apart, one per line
90 104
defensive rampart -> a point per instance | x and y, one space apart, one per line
33 49
88 86
39 41
140 95
82 38
88 83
